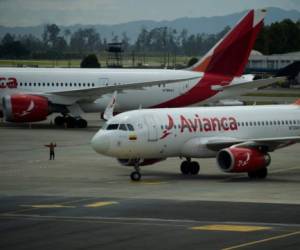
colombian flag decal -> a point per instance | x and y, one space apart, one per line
132 137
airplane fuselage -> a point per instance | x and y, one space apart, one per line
184 132
43 81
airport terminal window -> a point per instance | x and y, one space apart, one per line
112 127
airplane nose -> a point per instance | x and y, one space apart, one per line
100 143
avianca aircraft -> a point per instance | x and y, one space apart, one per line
240 137
30 95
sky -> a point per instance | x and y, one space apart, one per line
68 12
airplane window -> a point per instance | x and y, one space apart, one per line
130 127
57 84
88 84
66 84
93 84
75 84
274 122
112 127
83 84
29 84
34 84
174 126
246 123
39 84
294 122
21 84
267 123
263 123
290 122
25 84
162 127
70 84
238 124
122 127
52 84
250 123
44 84
79 84
254 123
258 123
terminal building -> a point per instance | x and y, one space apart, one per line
259 63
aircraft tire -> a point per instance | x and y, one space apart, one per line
71 122
262 173
59 121
81 123
185 167
258 174
194 168
135 176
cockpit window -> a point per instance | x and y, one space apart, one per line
130 127
123 127
112 127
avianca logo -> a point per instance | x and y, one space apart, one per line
201 124
28 110
9 82
167 132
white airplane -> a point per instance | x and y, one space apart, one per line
240 137
31 94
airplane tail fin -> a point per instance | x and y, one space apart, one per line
230 55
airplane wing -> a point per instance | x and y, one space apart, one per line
251 85
97 92
271 144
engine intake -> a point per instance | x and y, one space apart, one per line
238 160
25 108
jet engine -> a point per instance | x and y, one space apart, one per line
133 162
242 159
25 108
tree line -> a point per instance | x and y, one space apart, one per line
55 43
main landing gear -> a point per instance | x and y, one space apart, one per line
189 167
70 122
258 174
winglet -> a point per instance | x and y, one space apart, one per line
109 111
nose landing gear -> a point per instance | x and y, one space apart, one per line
136 175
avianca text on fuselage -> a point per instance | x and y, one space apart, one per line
202 124
207 124
9 82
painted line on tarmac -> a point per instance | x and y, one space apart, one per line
231 228
263 240
101 204
149 182
48 206
148 221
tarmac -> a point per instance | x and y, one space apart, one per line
82 200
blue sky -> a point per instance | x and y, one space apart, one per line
66 12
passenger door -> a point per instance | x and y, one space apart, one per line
152 127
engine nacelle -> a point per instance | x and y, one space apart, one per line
238 160
25 108
133 162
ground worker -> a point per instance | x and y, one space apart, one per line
51 147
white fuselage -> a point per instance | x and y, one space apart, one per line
183 132
41 81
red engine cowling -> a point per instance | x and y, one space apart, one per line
238 160
132 162
25 108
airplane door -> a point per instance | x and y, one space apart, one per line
152 127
